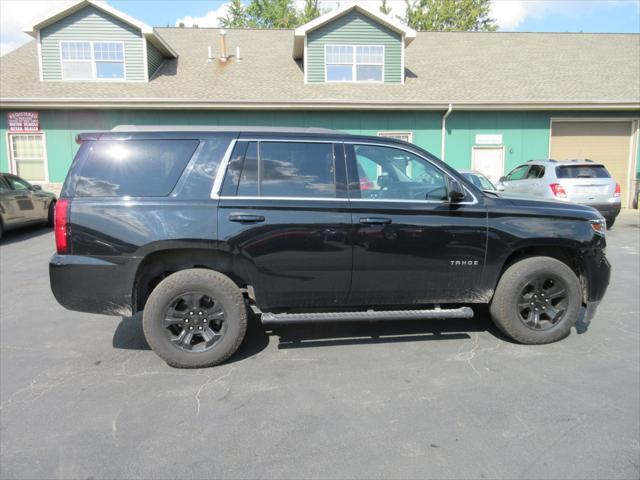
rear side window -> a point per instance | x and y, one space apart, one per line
136 168
281 169
297 170
582 171
536 171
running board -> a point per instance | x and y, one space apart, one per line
366 316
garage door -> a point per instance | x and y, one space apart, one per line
603 142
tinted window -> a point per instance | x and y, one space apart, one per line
18 184
391 173
291 169
248 185
582 171
137 168
4 186
536 171
518 174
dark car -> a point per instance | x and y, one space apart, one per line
196 227
23 204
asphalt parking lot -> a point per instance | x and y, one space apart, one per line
82 396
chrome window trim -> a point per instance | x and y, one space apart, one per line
315 199
222 170
224 164
400 147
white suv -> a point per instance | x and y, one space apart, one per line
577 181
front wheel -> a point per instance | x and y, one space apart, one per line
195 318
537 300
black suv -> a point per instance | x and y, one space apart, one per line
198 226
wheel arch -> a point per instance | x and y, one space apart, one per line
159 264
568 255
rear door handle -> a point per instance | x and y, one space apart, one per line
245 218
375 221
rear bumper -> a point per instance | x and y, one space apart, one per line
608 210
93 285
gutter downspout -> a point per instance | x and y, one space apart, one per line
444 130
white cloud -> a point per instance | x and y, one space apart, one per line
15 15
209 19
508 14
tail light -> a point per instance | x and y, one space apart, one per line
558 190
617 191
61 229
366 184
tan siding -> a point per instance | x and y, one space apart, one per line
603 142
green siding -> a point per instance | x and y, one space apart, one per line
154 58
354 29
91 24
525 134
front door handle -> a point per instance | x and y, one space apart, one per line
375 221
245 218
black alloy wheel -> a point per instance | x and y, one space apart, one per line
195 322
542 302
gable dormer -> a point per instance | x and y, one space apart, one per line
91 41
353 44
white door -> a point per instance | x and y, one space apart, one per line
489 161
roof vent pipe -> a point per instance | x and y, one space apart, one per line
238 58
223 45
209 55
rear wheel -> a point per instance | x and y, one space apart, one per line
195 318
537 300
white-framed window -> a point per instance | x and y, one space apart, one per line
354 63
92 60
28 156
405 136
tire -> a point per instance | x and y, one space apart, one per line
51 213
162 303
610 222
506 306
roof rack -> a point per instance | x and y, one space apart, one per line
229 128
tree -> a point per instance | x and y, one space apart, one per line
450 15
269 14
385 8
272 14
310 11
236 16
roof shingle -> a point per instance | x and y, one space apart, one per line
441 68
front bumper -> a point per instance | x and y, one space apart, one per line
93 285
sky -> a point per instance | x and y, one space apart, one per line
619 16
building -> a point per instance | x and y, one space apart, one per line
487 101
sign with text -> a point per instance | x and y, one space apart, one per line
489 139
23 121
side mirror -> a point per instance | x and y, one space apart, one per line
502 179
36 187
456 191
499 187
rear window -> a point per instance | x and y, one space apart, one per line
136 168
582 171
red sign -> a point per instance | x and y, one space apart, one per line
23 121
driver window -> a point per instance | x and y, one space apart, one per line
518 174
391 173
